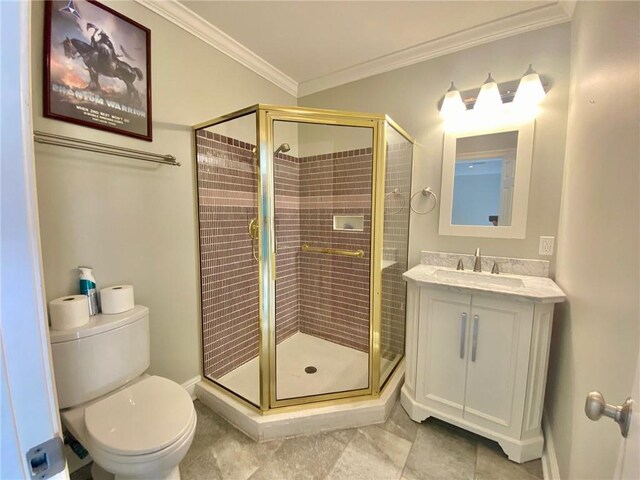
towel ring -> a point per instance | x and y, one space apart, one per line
395 191
425 193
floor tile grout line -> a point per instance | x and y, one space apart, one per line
475 462
204 452
396 427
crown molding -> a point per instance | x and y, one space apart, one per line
197 26
569 6
527 21
534 19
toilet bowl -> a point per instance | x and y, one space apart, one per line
133 425
141 431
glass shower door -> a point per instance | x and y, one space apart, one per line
398 165
227 201
323 205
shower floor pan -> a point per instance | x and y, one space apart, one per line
337 369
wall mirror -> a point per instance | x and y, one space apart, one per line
485 181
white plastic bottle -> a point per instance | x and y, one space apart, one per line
88 288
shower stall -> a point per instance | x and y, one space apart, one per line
303 226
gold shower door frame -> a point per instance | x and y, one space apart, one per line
265 117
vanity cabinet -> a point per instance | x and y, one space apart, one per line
479 361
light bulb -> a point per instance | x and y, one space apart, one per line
452 105
530 90
489 97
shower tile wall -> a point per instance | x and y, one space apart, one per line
396 238
287 226
227 190
322 295
334 290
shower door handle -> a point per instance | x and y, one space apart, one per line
254 233
254 228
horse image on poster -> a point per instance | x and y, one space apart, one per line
100 58
97 68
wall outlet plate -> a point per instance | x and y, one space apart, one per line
546 245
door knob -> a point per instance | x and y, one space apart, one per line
595 407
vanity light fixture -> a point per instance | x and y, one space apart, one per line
530 90
452 105
489 99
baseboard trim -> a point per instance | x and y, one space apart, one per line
190 386
550 470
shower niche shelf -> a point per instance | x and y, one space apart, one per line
348 223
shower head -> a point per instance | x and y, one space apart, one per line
284 148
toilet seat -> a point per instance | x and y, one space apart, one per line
143 418
148 465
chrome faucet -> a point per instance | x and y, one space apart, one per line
477 261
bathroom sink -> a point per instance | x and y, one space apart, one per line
478 278
539 289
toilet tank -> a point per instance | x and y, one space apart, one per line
101 356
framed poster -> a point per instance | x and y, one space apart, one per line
97 68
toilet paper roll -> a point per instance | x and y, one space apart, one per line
67 312
116 299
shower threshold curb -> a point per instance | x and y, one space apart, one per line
307 420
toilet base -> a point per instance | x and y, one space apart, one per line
99 473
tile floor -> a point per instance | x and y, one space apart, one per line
397 449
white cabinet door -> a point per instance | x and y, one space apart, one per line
442 350
497 369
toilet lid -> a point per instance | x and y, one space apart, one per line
145 417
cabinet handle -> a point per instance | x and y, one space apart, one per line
474 348
463 333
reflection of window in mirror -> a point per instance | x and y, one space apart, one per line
489 199
484 179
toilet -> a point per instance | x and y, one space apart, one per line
134 426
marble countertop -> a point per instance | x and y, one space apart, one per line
534 289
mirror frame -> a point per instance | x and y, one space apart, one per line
524 154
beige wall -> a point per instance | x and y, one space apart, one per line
410 96
135 222
595 342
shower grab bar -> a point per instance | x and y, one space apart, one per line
333 251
